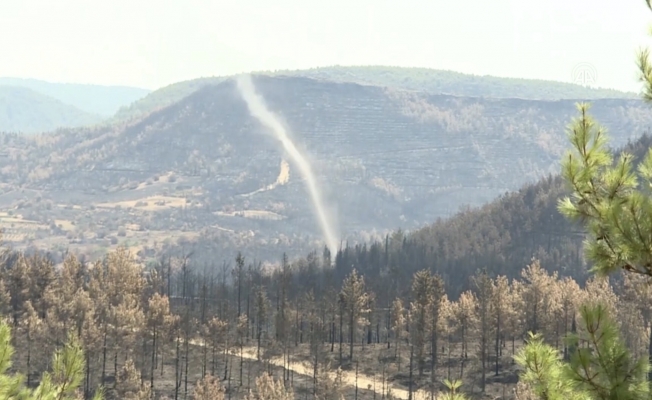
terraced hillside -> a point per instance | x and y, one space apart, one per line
203 166
413 79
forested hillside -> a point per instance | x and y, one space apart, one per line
162 330
391 320
501 236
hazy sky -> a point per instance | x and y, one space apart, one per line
151 43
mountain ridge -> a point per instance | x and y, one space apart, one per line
27 111
425 79
103 100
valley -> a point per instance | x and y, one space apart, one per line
385 159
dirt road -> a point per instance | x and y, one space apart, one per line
348 377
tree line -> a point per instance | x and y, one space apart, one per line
146 331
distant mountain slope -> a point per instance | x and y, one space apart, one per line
93 99
458 84
24 110
164 97
501 236
415 79
387 158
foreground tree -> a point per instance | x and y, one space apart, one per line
611 199
600 367
61 384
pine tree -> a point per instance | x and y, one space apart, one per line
500 311
637 292
420 315
129 385
241 329
610 198
208 388
467 319
601 369
450 327
452 393
30 328
158 321
60 384
568 293
398 328
438 292
268 388
262 311
612 201
536 295
355 299
483 289
217 331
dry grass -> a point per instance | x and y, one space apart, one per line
165 178
349 378
254 214
152 203
64 224
369 381
16 229
74 207
138 240
374 358
282 179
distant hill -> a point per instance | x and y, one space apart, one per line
164 97
203 167
458 84
94 99
24 110
413 79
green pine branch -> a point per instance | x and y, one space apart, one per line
61 384
602 368
610 198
